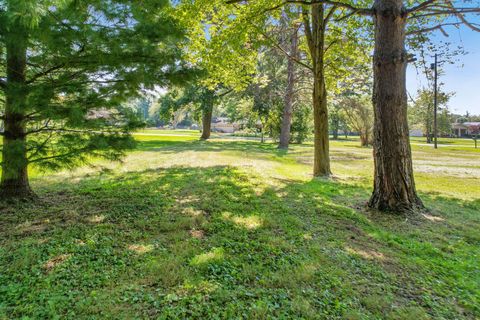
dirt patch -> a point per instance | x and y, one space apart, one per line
140 248
55 261
198 234
30 227
366 254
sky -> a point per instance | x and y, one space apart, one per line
463 77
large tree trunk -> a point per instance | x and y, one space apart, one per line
207 111
321 161
289 93
394 186
14 181
206 124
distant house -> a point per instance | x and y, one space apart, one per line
465 129
416 133
223 124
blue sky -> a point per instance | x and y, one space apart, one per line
463 80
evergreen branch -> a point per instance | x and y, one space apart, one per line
41 146
44 128
86 131
64 155
44 73
3 84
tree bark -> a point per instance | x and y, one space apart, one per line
394 185
289 93
207 111
14 182
316 42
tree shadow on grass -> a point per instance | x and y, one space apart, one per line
211 242
210 146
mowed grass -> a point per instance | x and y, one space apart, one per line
235 229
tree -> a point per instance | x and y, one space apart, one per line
290 89
394 186
66 68
329 49
421 112
358 113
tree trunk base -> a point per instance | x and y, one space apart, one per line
322 174
16 189
385 203
15 193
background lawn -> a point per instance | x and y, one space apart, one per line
232 228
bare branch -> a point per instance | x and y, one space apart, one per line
276 45
462 18
437 27
329 14
429 12
331 44
224 93
421 6
361 11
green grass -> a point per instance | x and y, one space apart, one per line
235 229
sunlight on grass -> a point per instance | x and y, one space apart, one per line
140 248
366 254
215 255
249 222
96 218
238 229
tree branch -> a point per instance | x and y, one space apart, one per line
361 11
421 6
437 27
308 29
224 93
329 15
462 18
44 73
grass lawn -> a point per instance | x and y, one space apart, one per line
235 229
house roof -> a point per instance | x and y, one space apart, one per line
465 125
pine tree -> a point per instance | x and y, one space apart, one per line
66 67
